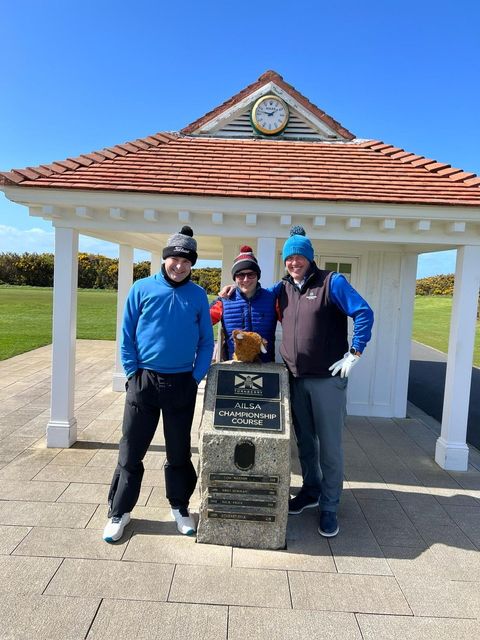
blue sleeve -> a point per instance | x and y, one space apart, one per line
131 314
352 304
205 341
275 289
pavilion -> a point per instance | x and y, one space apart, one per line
245 172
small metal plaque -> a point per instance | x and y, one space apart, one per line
239 502
243 477
250 384
243 491
249 517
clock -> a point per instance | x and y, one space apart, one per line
269 115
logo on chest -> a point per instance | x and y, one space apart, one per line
311 296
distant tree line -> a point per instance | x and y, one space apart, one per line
94 271
436 285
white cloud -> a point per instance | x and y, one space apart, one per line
37 240
21 240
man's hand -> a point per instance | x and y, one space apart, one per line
344 365
227 291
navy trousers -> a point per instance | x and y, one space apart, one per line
319 411
148 394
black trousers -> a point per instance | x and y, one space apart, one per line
148 394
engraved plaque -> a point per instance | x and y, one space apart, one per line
250 517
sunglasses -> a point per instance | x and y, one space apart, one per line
249 275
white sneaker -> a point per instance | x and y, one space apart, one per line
114 528
185 522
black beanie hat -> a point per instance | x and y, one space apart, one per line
182 245
245 260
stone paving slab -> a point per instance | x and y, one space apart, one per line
281 624
405 628
10 537
30 490
220 585
69 543
46 617
43 514
176 549
441 598
111 579
125 620
26 576
351 593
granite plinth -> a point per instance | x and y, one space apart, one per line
244 444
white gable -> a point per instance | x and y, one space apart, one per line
235 121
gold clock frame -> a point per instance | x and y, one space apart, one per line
258 127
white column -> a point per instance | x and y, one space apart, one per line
266 259
451 450
125 279
155 262
408 276
62 427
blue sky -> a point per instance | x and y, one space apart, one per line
81 76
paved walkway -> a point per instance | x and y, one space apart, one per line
426 386
405 564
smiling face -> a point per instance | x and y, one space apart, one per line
297 266
177 268
246 280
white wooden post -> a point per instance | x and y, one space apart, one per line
62 426
155 263
266 259
451 450
125 279
405 320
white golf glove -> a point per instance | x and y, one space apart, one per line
344 365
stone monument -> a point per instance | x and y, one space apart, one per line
245 456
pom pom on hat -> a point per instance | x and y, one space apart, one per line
298 244
245 260
182 245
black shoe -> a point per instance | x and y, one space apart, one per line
328 524
300 502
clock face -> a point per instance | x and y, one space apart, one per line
269 115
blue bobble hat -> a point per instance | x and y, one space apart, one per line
182 245
298 244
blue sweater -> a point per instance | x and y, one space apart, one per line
166 328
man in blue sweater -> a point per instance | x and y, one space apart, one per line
166 350
314 306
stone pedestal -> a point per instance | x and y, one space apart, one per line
244 441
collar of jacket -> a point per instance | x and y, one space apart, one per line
173 284
240 293
309 276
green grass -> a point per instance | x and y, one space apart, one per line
431 324
26 317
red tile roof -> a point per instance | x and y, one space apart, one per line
165 163
270 76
